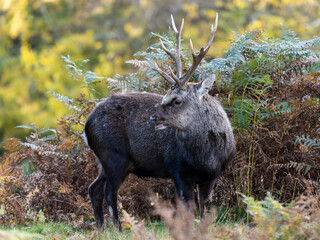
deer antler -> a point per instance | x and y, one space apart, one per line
174 55
178 79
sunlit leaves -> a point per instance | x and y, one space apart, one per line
133 31
77 69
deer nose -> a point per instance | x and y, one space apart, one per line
153 118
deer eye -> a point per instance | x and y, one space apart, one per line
176 102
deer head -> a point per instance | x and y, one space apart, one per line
183 103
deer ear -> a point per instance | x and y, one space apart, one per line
205 86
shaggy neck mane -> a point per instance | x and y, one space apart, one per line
203 143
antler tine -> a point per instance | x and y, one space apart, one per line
197 58
174 76
179 80
166 50
213 30
166 76
174 25
177 58
174 55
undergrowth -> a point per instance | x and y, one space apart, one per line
269 219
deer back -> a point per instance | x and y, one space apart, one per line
121 123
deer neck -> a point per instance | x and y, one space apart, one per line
204 138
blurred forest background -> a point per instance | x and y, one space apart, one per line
34 34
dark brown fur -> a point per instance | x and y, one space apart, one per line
194 145
123 138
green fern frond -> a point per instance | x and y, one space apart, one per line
300 166
308 142
64 99
30 127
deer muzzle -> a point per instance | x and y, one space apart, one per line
158 121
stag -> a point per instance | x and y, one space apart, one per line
184 135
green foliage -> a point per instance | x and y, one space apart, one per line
267 208
77 70
279 109
43 134
146 78
308 142
49 227
18 234
270 55
299 166
43 141
277 221
69 103
45 230
34 34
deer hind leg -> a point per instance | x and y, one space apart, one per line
96 195
116 173
111 198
